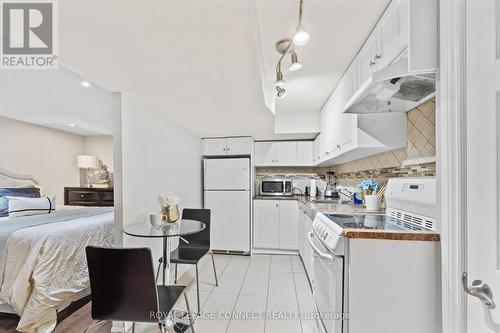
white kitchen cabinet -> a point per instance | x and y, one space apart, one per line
366 61
265 154
239 146
286 153
324 134
214 147
276 224
316 150
347 130
227 146
392 33
305 153
266 224
302 231
307 258
348 85
289 225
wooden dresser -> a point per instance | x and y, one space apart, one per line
84 196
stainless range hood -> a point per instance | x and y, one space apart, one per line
393 89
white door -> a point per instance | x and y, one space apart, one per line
316 150
393 33
483 163
266 224
286 153
214 147
348 125
265 153
227 174
305 153
289 224
239 146
366 58
308 252
302 239
230 219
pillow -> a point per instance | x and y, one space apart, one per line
27 192
19 206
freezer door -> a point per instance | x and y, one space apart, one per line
227 174
230 220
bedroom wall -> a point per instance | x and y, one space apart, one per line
157 156
47 154
102 147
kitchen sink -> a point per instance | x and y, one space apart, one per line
334 201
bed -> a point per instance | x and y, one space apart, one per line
42 258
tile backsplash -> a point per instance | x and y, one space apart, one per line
416 159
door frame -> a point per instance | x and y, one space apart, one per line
451 135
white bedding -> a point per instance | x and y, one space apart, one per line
45 267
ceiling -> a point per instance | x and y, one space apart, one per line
56 99
207 65
337 28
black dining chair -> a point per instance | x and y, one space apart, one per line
194 247
123 288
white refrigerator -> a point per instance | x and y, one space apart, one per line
227 184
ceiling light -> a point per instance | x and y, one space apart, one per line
86 84
296 64
280 92
301 36
71 125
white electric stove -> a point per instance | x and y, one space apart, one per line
347 280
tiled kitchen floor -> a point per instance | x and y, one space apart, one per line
262 284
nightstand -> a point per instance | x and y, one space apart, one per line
84 196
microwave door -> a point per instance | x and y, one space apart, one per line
272 187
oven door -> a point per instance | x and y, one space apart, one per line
328 285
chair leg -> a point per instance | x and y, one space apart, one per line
190 314
158 272
175 281
215 272
197 288
133 327
162 328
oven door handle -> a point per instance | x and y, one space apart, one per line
316 250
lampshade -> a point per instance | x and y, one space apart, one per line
87 162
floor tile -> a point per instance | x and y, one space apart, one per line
246 326
250 304
281 326
281 263
297 266
281 285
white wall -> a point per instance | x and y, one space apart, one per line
156 156
47 154
102 147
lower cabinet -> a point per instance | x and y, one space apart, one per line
307 255
276 224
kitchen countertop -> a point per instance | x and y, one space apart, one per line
312 208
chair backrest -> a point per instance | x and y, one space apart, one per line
201 239
122 284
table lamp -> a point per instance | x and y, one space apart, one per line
88 162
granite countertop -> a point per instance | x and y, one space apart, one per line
312 208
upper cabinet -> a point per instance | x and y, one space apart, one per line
284 153
366 62
392 33
227 146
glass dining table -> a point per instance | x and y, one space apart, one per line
166 231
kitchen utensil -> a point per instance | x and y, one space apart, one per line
372 202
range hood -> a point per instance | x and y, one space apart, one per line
393 89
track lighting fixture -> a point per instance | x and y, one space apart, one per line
296 64
301 36
280 91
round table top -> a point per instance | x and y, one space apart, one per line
183 227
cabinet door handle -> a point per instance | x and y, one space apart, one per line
378 56
372 63
276 205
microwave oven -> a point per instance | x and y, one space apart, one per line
275 187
